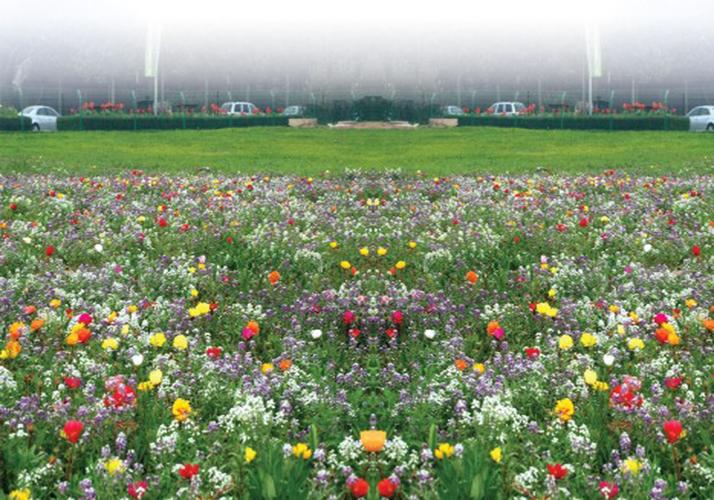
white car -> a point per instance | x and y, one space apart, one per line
701 119
508 108
294 111
43 117
238 108
453 111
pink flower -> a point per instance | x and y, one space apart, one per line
85 319
248 334
348 317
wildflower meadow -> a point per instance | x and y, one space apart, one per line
358 335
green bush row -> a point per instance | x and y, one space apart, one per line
572 122
15 123
164 122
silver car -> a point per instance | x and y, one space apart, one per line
43 118
701 119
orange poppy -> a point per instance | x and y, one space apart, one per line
373 441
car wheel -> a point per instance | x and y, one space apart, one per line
35 127
710 127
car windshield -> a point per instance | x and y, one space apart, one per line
226 107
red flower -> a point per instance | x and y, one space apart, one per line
355 332
673 430
660 318
386 488
348 317
214 352
397 317
162 222
49 251
137 489
584 222
189 470
696 251
532 352
122 395
673 382
557 471
85 319
73 430
608 490
359 488
72 382
13 206
391 332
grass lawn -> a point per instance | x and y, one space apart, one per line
310 152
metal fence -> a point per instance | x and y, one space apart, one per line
65 100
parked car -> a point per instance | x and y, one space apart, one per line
238 108
452 111
508 108
43 117
701 119
294 111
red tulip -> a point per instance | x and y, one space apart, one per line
557 471
72 382
673 430
397 317
386 488
696 251
348 317
137 489
673 382
49 251
73 430
532 352
214 352
189 470
584 222
359 488
608 490
162 222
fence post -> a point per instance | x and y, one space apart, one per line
666 109
133 104
612 101
22 118
81 110
562 110
183 110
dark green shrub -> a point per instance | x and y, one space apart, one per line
573 122
15 123
165 122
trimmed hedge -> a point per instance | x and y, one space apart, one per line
172 122
572 122
15 123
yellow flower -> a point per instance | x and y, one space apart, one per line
157 339
445 450
110 344
373 440
301 450
588 339
145 386
552 293
132 309
381 251
496 455
565 342
400 265
191 269
333 244
601 386
546 309
565 409
194 292
690 303
55 303
113 465
112 317
181 409
614 309
266 368
590 376
125 330
180 342
412 244
156 376
635 344
345 264
250 454
479 367
23 494
632 465
364 251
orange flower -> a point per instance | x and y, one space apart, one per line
285 364
492 327
472 277
253 326
708 324
274 277
461 364
36 324
373 441
16 330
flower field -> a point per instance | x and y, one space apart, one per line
356 336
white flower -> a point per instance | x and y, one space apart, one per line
647 248
608 359
430 334
137 359
316 333
98 248
27 240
